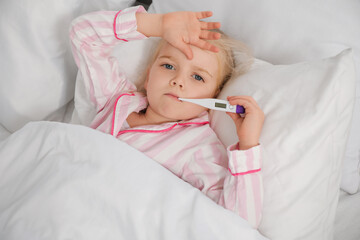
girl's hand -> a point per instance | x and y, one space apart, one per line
248 127
182 29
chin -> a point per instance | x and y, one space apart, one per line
185 117
176 117
180 114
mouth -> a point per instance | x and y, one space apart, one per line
173 96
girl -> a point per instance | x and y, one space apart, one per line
190 62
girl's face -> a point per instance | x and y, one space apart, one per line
172 75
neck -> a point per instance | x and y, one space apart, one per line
147 118
153 118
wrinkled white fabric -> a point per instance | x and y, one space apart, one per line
61 181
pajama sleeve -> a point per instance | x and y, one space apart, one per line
243 187
231 177
93 37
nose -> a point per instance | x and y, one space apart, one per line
177 81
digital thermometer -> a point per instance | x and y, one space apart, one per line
216 104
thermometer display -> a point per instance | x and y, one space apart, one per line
220 105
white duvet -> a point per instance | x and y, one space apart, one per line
62 181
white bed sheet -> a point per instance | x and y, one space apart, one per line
347 221
63 181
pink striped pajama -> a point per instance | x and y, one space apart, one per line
189 149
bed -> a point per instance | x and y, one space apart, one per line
62 180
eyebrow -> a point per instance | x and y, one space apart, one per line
203 70
196 67
164 56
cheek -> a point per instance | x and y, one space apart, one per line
150 83
198 109
156 78
208 92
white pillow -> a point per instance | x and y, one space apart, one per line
36 65
308 108
132 57
284 32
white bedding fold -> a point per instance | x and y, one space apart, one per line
62 181
3 132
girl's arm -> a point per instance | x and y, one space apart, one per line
243 187
239 187
93 37
244 184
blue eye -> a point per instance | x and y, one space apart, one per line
198 77
168 66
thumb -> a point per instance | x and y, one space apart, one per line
235 117
185 48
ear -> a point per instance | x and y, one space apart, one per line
216 93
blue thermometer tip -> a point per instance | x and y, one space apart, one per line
240 109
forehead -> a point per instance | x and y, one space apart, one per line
201 58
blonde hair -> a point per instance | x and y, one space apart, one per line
234 59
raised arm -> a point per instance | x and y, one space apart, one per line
93 37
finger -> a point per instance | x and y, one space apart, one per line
238 98
208 35
187 51
243 102
247 98
248 105
185 48
250 108
203 14
205 45
210 25
236 118
243 97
